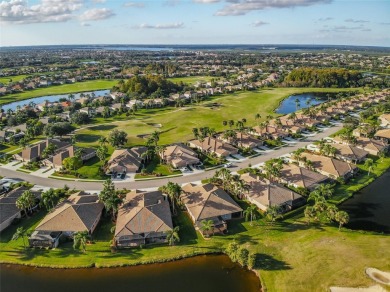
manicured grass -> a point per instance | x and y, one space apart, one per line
342 192
60 89
154 166
178 122
288 253
193 79
17 78
91 169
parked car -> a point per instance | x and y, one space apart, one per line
184 169
228 164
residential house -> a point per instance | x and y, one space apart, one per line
265 194
384 120
213 145
8 210
372 146
90 111
329 166
243 140
179 155
383 135
209 202
269 132
56 160
349 153
125 160
34 152
144 218
300 177
80 212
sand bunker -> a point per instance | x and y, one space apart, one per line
375 288
378 276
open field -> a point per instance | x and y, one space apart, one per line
177 123
193 79
289 253
60 89
16 78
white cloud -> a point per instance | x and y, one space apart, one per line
99 1
96 14
18 11
85 24
160 26
134 4
206 1
242 7
356 20
258 23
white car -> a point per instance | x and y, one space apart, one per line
227 165
184 169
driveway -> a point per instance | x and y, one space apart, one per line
152 184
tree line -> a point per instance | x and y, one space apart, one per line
329 77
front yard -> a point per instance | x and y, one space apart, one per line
154 168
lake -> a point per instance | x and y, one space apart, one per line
288 105
203 273
369 208
51 98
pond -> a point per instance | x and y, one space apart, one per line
289 104
369 208
51 98
202 273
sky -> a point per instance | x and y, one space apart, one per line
328 22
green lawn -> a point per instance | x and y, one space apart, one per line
178 122
291 256
155 167
16 78
60 89
193 79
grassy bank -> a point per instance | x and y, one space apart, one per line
288 253
60 89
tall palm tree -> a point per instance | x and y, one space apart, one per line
273 167
26 201
297 104
20 233
369 164
206 227
160 150
173 236
173 190
225 176
103 141
49 198
80 240
250 212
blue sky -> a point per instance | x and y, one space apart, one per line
51 22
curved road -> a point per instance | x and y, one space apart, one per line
146 184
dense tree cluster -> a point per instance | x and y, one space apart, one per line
332 77
148 85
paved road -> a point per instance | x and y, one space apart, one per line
148 184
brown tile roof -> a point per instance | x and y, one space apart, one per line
143 212
126 158
207 201
329 165
384 133
266 193
179 155
78 213
215 145
300 176
350 152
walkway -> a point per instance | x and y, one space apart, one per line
150 184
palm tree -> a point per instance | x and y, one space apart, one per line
173 236
250 212
225 176
273 167
297 104
325 190
310 213
49 198
103 141
20 233
369 164
160 151
80 240
26 201
207 226
173 190
273 213
342 218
